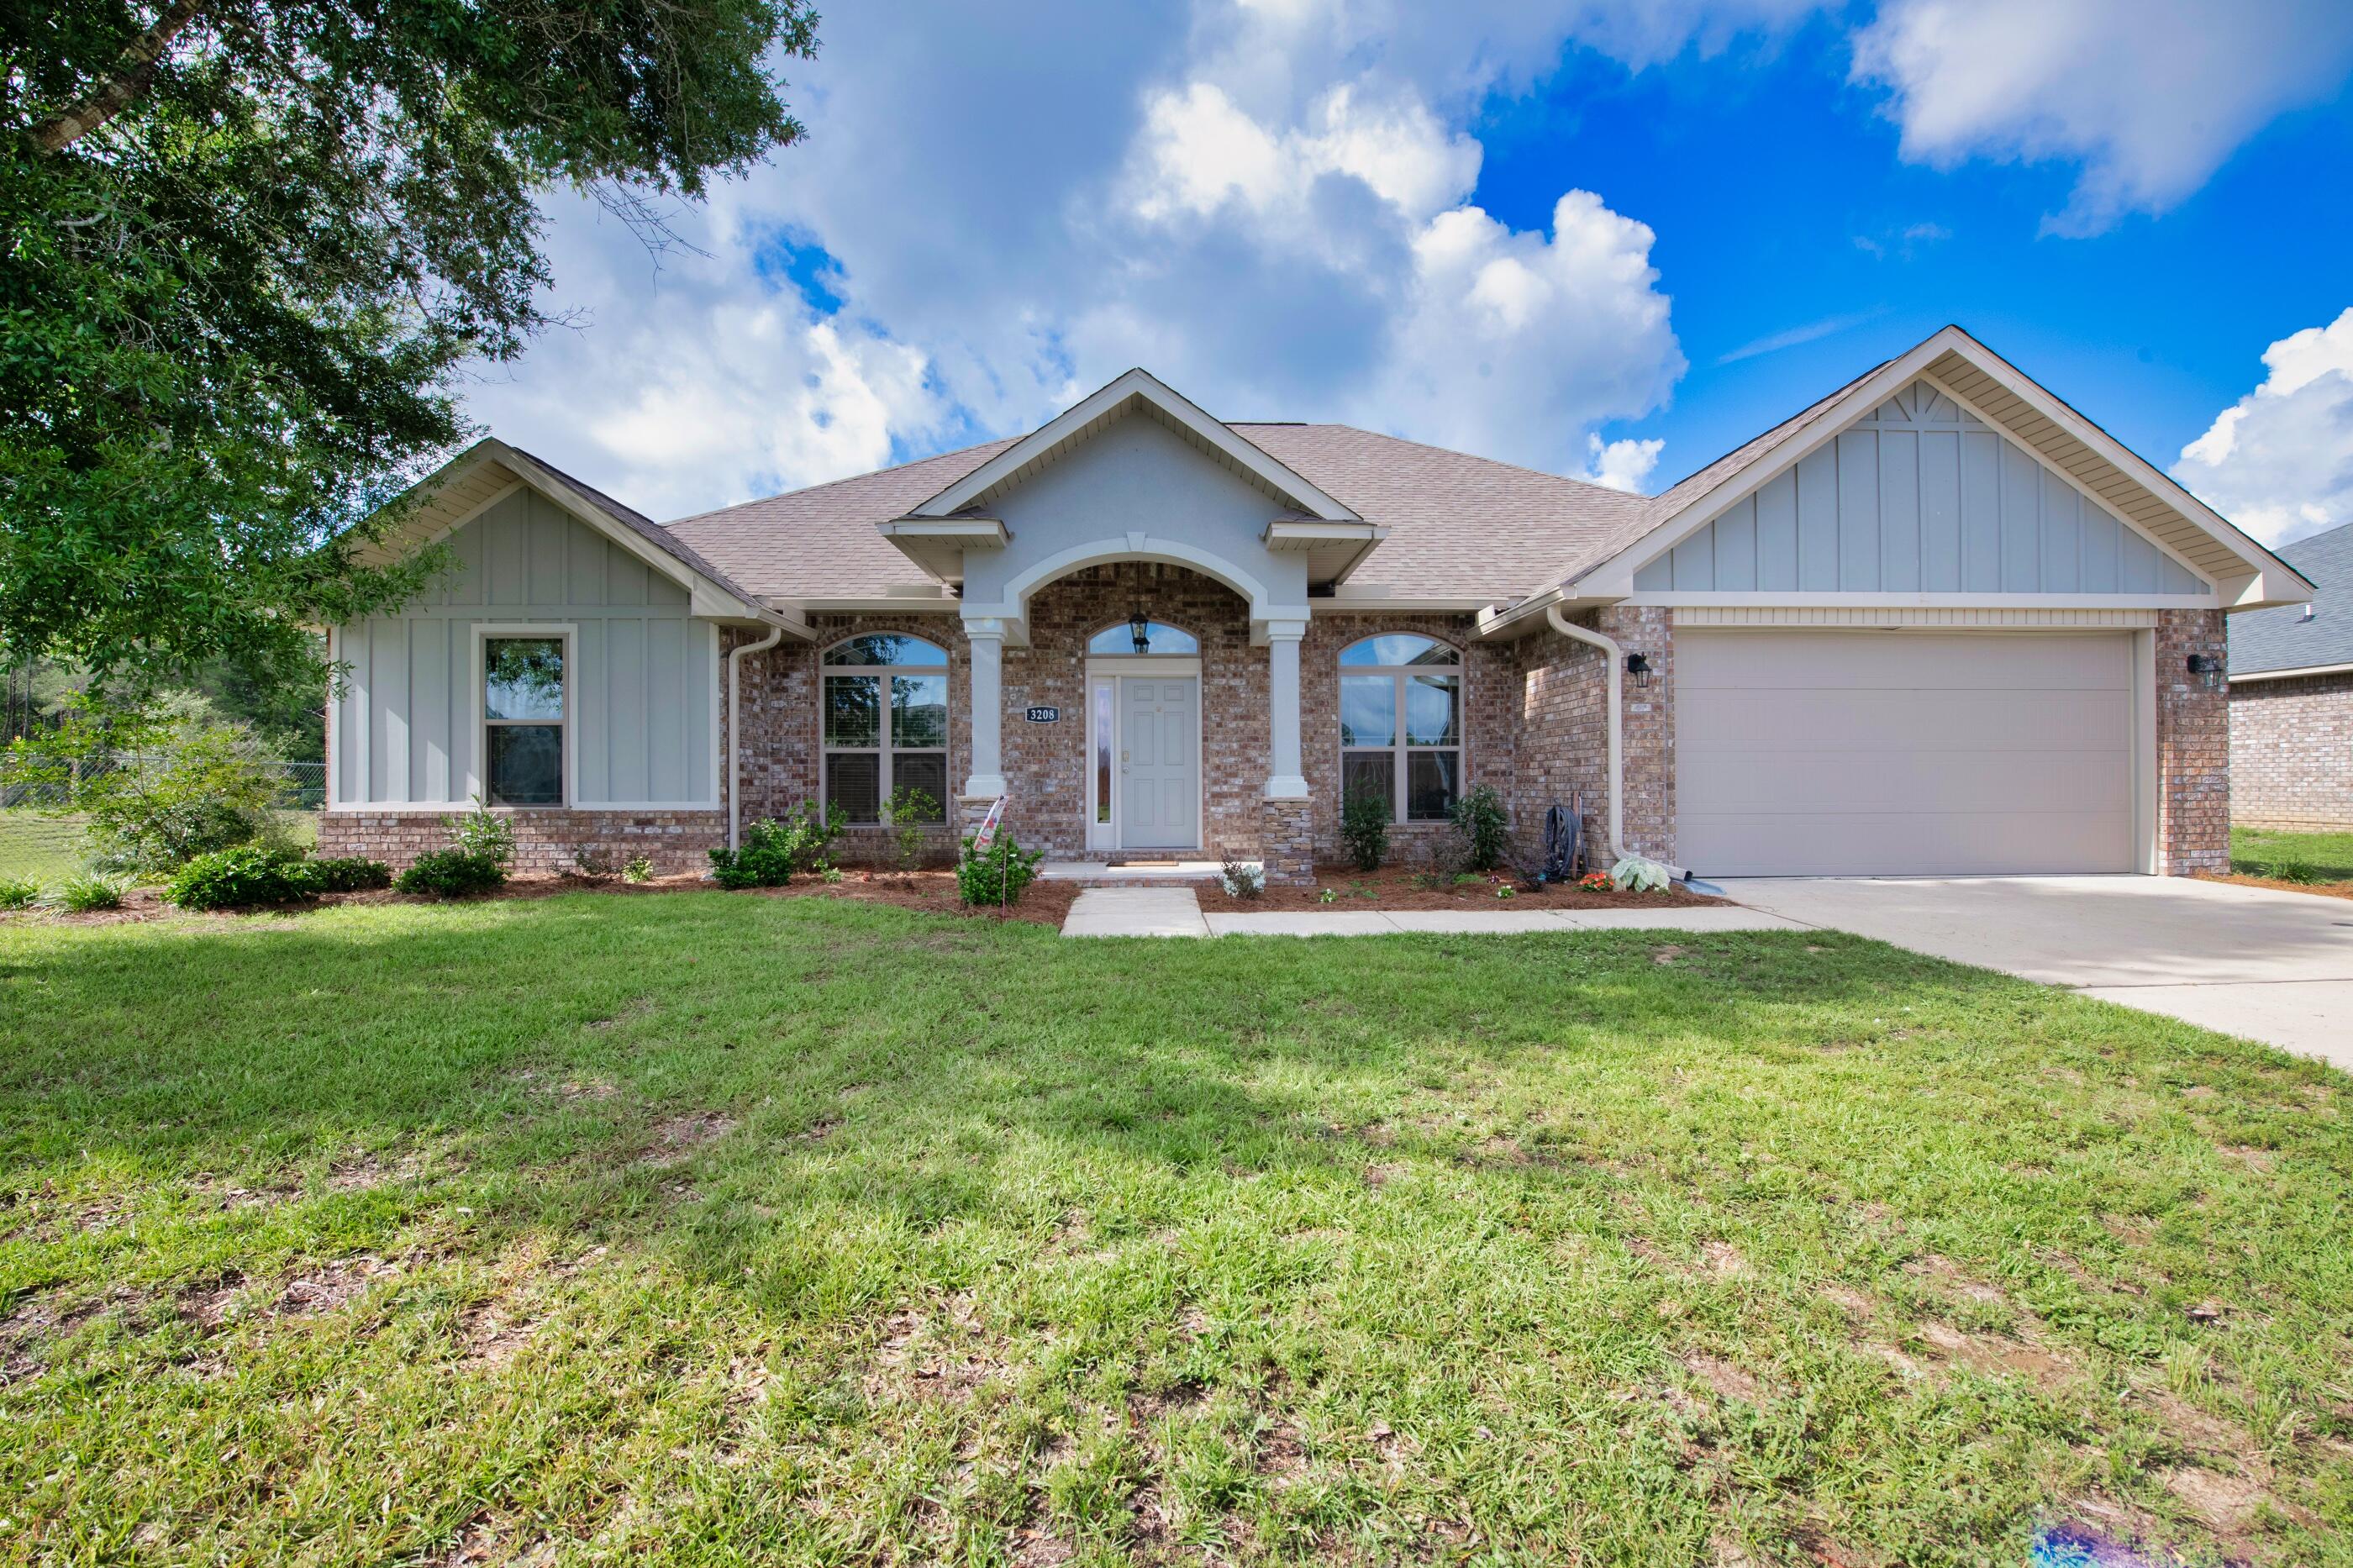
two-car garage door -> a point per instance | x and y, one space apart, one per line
1803 752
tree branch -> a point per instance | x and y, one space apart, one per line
132 74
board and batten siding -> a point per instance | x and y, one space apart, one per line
643 676
1920 497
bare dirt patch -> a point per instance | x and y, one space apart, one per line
679 1137
1951 1277
329 1287
1994 1356
1728 1381
1854 1303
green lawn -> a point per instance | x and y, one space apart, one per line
702 1227
47 849
2257 852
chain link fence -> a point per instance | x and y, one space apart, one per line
304 785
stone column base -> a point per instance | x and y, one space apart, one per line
971 811
1286 844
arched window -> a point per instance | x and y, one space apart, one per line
1159 637
1401 724
886 724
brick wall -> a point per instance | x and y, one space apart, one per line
1563 735
2193 747
1491 680
545 840
2292 753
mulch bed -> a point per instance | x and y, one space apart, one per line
1401 887
2326 890
1045 903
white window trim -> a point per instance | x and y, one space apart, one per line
1398 748
884 784
478 774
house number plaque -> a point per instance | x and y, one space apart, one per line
1044 715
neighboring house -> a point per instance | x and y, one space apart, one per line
1936 623
2291 697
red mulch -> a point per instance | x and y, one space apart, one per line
2326 890
1400 888
1045 903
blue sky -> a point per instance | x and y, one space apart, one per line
1603 237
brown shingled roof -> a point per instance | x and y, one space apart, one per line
1460 526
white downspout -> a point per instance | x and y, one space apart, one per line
1616 660
735 729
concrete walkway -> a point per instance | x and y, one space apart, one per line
1176 911
2270 966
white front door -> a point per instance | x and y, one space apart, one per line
1159 762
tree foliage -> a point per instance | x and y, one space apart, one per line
246 248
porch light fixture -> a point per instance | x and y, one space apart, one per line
2206 668
1637 665
1139 630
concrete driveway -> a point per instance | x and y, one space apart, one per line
2276 967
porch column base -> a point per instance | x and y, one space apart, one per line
971 811
1286 845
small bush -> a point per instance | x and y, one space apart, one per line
248 874
1240 878
1636 875
910 813
83 894
591 861
1485 827
999 874
772 850
352 874
452 874
16 893
482 835
1365 828
639 869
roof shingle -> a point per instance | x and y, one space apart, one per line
2282 639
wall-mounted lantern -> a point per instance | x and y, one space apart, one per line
2206 668
1637 665
1139 630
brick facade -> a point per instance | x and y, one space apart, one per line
545 840
2193 747
2291 753
1563 736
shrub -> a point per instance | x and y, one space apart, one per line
772 851
158 785
2292 868
352 874
764 858
591 861
909 815
1485 826
1365 828
481 835
16 893
1636 875
1241 879
639 869
999 874
452 874
83 894
248 874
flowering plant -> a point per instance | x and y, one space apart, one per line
1597 882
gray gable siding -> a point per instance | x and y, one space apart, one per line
643 678
1920 497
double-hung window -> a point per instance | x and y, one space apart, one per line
1401 724
522 719
886 724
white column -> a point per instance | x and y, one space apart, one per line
986 636
1284 779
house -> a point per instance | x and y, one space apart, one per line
1936 623
2292 699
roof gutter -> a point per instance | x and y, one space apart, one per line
735 729
1616 660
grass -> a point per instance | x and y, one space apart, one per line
2258 852
695 1228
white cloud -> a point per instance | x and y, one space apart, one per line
2149 96
1621 465
2279 462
